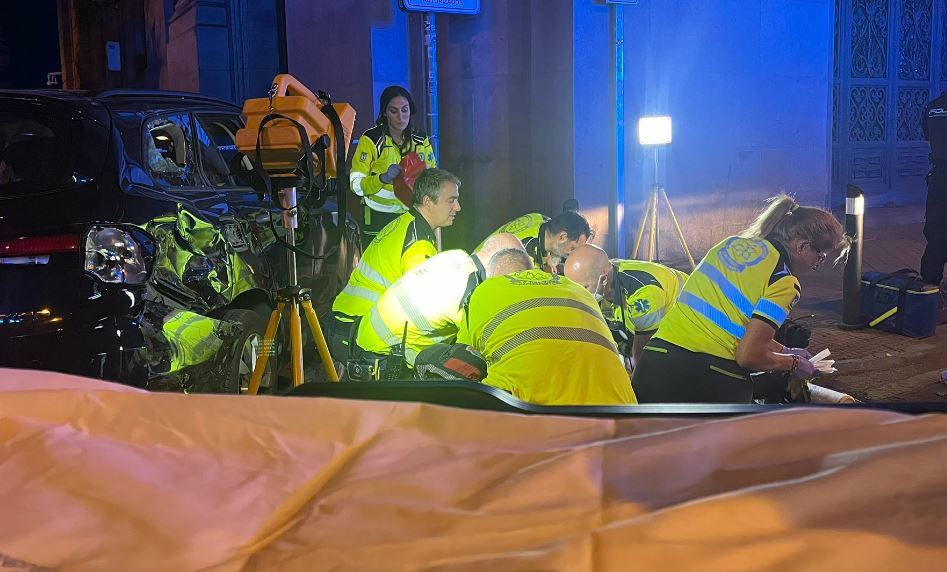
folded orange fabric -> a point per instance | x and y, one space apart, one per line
96 476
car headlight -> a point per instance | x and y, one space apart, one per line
113 255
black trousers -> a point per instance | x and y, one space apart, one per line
668 373
935 228
341 333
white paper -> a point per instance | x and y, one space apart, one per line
821 364
821 355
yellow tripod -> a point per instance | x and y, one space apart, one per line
291 298
650 217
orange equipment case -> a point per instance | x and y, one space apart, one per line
280 145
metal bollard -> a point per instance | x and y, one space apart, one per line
852 318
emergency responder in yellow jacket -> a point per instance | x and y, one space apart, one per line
425 306
723 324
376 163
545 341
403 244
635 294
549 241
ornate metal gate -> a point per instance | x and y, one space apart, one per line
889 62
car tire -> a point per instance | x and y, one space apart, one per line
239 367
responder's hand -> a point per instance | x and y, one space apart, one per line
803 353
804 369
391 174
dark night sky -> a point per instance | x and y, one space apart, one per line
29 43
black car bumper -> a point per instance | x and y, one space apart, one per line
109 349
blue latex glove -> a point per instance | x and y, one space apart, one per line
391 174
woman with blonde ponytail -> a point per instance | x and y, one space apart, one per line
722 327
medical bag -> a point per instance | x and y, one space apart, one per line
900 302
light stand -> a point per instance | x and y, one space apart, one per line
655 132
291 298
276 155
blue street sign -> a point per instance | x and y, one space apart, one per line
448 6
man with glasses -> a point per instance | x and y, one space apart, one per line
634 294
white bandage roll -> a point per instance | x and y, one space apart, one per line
819 394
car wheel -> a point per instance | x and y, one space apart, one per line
246 351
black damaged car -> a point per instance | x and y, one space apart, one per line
133 247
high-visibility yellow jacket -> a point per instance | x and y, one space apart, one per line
375 153
739 279
400 246
545 341
643 294
194 339
424 307
530 229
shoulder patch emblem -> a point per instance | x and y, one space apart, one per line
363 156
640 306
738 254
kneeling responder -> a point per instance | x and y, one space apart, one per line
545 341
722 327
549 241
403 244
426 305
635 294
377 160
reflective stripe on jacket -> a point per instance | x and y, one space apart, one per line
401 245
427 303
545 341
375 153
739 279
644 293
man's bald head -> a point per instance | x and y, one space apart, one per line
586 264
496 243
508 261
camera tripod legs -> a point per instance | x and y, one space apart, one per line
650 217
291 299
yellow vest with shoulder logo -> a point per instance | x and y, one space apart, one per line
529 229
545 341
739 279
400 246
376 152
644 293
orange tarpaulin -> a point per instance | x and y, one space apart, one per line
96 476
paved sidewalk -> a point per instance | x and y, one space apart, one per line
875 365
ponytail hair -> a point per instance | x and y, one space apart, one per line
783 220
779 207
